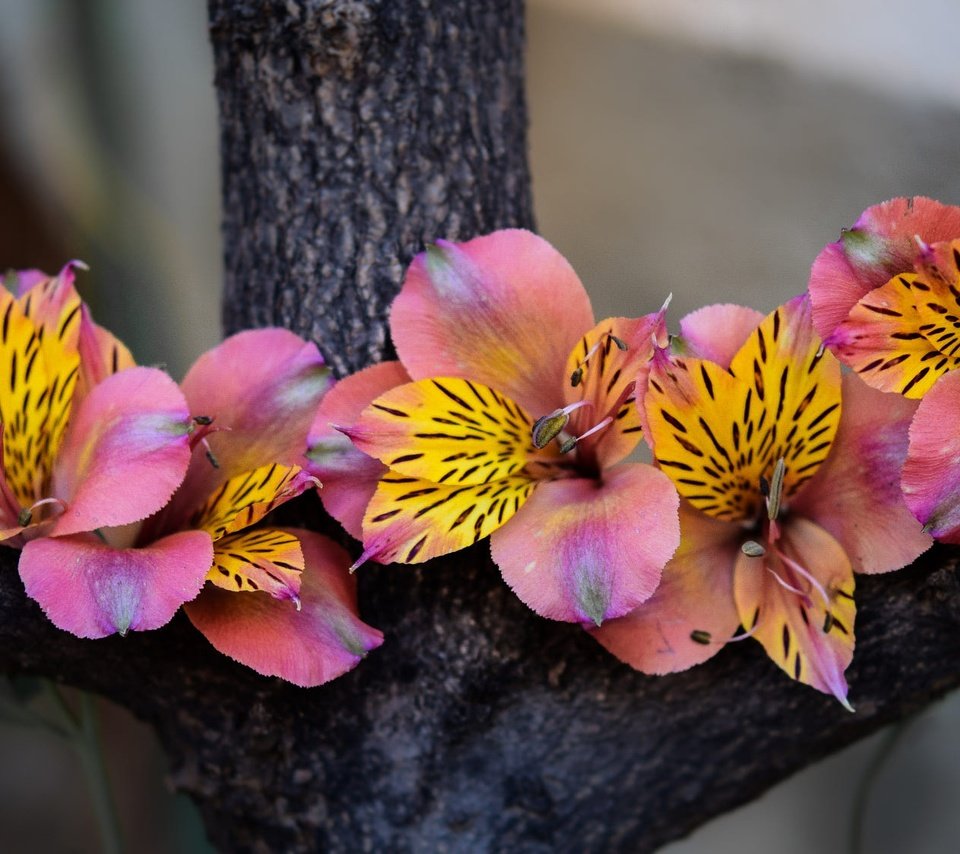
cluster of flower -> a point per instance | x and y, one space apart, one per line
511 413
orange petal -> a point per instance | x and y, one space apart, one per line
694 599
809 638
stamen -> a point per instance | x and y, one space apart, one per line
789 587
26 515
704 638
796 567
775 490
751 548
571 443
211 458
548 427
577 376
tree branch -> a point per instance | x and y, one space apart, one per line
352 132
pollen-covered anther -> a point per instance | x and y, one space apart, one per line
751 548
774 493
547 427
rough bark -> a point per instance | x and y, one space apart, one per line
352 132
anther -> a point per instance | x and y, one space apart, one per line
208 452
775 490
547 427
25 516
700 636
827 623
577 376
751 548
203 420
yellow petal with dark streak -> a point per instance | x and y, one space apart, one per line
410 520
448 431
268 559
808 638
716 433
246 498
38 375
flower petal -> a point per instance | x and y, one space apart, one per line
855 495
694 600
262 388
348 475
716 332
504 310
896 337
246 498
793 625
611 381
53 303
126 451
36 395
92 590
931 473
307 647
410 520
446 430
267 559
881 245
717 434
587 551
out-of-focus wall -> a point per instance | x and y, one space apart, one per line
901 47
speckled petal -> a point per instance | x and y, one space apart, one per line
322 640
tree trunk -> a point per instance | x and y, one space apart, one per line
352 132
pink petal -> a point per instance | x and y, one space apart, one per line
348 475
931 474
855 495
694 596
586 551
321 641
92 590
716 332
880 245
504 310
125 452
262 388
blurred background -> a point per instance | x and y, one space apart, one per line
709 149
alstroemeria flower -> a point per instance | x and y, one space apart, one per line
886 296
88 441
790 480
261 388
518 408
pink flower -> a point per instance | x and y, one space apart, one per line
261 389
885 295
89 442
789 476
509 416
